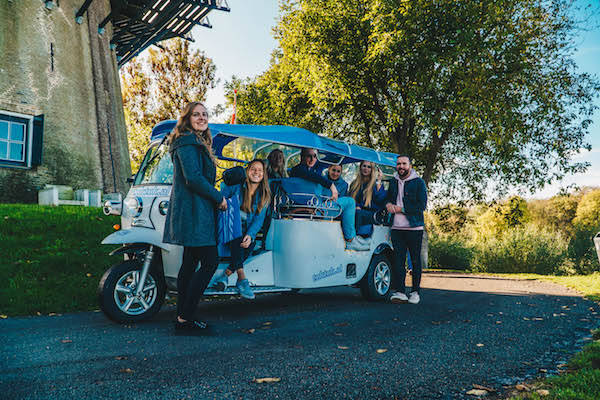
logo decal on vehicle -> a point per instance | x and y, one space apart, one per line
150 192
327 273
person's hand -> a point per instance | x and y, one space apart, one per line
390 208
358 207
223 205
246 242
334 192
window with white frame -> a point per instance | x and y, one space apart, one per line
20 140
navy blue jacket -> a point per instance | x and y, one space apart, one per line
341 186
191 218
310 174
414 199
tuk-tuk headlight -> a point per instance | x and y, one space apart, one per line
163 207
134 206
111 207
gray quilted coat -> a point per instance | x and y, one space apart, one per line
191 218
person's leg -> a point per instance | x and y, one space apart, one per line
188 266
399 270
237 254
209 261
414 240
348 206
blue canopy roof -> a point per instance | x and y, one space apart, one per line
286 135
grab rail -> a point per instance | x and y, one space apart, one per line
311 206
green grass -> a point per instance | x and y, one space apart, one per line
581 382
52 259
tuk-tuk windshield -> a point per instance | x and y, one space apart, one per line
157 167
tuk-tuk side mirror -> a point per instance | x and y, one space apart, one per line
131 179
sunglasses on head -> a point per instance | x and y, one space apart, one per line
310 155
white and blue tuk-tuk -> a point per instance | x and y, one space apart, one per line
303 247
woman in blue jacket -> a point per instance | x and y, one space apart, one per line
254 198
368 192
191 217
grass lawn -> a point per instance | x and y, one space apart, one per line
52 259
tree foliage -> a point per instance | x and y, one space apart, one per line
484 95
159 86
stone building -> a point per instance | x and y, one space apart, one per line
61 113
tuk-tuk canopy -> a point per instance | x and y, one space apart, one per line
223 134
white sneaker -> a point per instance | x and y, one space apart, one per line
398 297
358 244
414 298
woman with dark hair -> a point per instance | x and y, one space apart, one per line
254 197
369 193
276 165
191 217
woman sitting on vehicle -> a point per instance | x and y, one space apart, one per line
369 193
276 167
254 197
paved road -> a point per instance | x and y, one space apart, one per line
320 343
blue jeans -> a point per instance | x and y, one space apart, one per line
348 206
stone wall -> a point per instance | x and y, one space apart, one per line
53 66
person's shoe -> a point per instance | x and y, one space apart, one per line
220 283
414 298
399 297
192 327
358 244
244 289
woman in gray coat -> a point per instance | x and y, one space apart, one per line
191 218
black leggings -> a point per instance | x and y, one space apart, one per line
239 254
403 241
192 283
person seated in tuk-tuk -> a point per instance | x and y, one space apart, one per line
254 197
307 169
368 192
334 173
276 165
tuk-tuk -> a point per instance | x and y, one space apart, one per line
303 247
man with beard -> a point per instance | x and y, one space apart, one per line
407 200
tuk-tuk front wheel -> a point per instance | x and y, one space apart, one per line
377 282
117 293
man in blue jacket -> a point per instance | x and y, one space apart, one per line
407 200
308 169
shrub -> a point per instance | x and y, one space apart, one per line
498 218
448 219
450 252
523 249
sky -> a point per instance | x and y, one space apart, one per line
241 41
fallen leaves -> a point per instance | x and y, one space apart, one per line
380 351
477 392
66 341
479 345
121 358
343 347
126 371
266 380
521 387
3 316
251 330
481 387
543 392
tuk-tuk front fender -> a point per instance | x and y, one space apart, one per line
136 235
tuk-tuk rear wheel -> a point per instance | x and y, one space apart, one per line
116 293
377 282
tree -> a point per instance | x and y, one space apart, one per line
159 86
484 95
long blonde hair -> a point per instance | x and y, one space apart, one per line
184 125
359 181
263 188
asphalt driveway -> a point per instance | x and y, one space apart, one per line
326 343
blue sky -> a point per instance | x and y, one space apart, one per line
241 41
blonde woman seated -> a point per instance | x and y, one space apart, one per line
368 192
